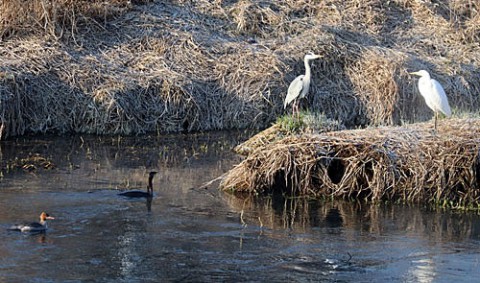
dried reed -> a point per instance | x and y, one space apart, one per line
104 67
407 164
55 17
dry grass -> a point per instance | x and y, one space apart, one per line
407 164
306 123
55 17
113 67
30 163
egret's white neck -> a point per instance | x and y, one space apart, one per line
426 76
307 67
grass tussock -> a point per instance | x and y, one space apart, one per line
304 123
57 17
116 67
407 164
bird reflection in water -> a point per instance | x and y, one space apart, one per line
42 238
149 203
334 218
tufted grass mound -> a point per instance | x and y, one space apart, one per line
401 164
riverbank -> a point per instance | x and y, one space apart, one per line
118 67
408 164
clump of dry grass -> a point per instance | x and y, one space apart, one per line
55 17
30 163
253 17
306 123
398 164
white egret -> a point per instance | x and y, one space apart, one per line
433 93
299 86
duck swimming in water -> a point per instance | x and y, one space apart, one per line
34 227
139 193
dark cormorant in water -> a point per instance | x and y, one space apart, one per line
139 193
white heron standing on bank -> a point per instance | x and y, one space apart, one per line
433 93
299 86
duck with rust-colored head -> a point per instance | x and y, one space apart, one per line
33 227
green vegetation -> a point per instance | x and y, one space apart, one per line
307 122
291 124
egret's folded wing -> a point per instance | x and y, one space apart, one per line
294 90
441 99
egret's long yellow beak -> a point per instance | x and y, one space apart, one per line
415 73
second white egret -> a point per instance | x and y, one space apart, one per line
433 93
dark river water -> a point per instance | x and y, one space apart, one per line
191 234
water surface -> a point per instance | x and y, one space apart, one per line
191 234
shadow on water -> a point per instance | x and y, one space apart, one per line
184 233
303 214
380 242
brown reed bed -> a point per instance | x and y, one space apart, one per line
406 164
57 17
115 67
